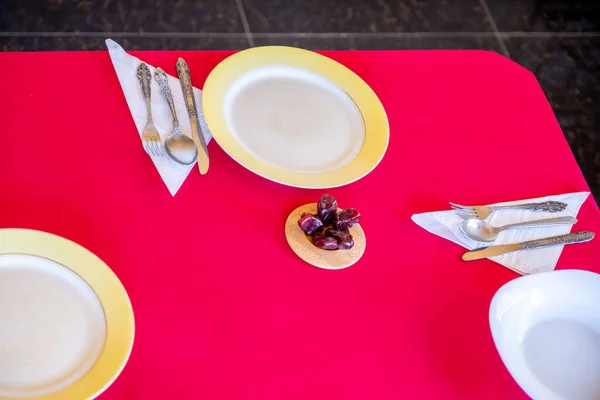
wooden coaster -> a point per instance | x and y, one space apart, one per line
302 245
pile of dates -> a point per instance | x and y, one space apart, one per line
329 228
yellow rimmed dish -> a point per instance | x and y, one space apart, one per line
267 106
63 295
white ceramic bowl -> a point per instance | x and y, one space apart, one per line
546 328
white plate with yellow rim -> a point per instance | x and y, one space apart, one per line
66 322
295 117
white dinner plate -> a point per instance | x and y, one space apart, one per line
546 328
66 322
295 117
280 113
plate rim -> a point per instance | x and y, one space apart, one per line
118 311
376 124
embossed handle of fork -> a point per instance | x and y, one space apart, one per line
143 75
163 82
548 206
577 237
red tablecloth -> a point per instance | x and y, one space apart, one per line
224 309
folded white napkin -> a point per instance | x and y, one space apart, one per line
172 173
446 224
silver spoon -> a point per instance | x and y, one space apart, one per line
481 231
181 148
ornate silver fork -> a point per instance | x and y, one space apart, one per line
150 137
482 212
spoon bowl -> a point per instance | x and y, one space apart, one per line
181 148
478 230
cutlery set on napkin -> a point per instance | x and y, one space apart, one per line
163 114
179 147
547 220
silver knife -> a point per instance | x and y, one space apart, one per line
188 94
485 252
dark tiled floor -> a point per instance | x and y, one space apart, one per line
119 16
559 40
546 16
365 16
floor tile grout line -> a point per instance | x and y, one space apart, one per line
308 35
489 16
128 34
549 35
245 23
359 35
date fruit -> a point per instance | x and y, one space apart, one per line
326 208
344 238
346 219
328 230
309 223
324 242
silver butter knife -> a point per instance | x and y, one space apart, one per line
188 94
485 252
